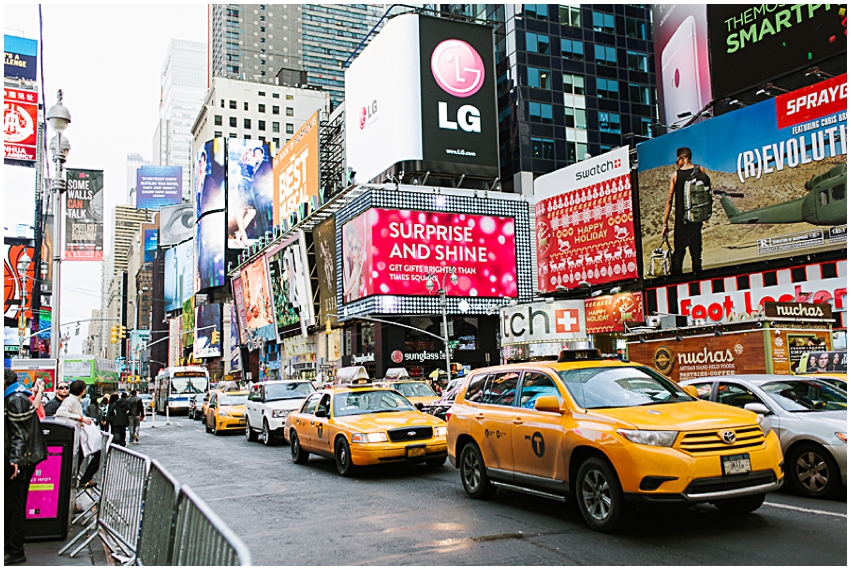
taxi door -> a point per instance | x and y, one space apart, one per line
492 421
536 436
319 430
302 421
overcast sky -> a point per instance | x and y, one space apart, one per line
107 59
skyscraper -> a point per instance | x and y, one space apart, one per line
134 161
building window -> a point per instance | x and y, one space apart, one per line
569 15
276 127
231 135
576 150
247 136
276 110
289 128
232 104
573 83
223 103
262 28
636 29
693 288
262 139
261 108
261 125
543 148
609 122
289 111
245 105
276 95
539 78
217 134
769 279
232 122
743 282
605 55
607 88
639 93
575 118
641 126
276 142
636 61
541 113
246 123
538 43
261 93
571 49
262 40
799 274
828 270
537 11
504 117
217 120
604 22
289 97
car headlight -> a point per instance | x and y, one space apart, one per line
223 413
440 431
842 436
280 413
650 437
369 437
765 424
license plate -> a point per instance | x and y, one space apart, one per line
416 451
240 423
736 464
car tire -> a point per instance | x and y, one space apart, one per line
250 434
600 497
813 471
207 426
267 437
343 457
436 461
215 428
299 455
190 415
741 505
476 482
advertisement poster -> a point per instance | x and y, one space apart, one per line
209 178
296 170
286 313
558 321
249 188
20 124
178 281
43 497
84 215
391 252
175 350
239 306
210 251
29 377
778 180
584 231
208 341
177 224
682 61
21 59
188 323
12 285
325 249
158 186
234 355
259 316
151 234
608 313
825 362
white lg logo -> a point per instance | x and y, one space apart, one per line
468 118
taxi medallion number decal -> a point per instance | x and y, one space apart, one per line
538 446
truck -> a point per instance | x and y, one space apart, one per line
269 404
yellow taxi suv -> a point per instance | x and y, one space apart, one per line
610 434
418 393
225 412
364 425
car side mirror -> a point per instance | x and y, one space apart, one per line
549 404
691 391
758 408
321 414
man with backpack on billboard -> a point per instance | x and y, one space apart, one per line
691 195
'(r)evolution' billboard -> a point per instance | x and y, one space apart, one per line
778 173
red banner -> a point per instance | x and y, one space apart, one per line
20 124
608 314
824 98
391 252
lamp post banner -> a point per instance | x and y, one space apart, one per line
84 216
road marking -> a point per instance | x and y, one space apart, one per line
814 511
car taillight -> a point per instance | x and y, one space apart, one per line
448 415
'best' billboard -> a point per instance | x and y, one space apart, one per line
296 173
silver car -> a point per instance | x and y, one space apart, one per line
809 416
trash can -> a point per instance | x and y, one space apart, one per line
51 496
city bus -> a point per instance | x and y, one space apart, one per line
175 386
100 374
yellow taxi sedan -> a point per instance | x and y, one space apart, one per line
418 393
364 425
225 412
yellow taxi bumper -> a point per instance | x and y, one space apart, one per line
375 453
228 423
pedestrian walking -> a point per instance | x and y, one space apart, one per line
24 448
118 419
137 414
61 393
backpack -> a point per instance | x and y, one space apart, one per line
659 264
697 197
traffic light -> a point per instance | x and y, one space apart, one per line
113 335
214 337
122 332
327 326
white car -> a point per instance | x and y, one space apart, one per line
269 404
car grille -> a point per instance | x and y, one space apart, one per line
710 442
410 434
730 482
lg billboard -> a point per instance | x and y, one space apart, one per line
423 94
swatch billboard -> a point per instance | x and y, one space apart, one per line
84 215
422 95
296 171
778 177
158 186
391 252
584 230
20 125
249 192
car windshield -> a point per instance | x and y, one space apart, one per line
288 390
188 385
412 389
806 395
233 399
370 402
620 387
200 398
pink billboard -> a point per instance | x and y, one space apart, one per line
43 497
391 252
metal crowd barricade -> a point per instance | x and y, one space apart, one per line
201 538
156 537
120 511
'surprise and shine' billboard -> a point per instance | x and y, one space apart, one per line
84 215
777 171
584 231
158 186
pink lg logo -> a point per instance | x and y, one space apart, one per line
362 117
457 68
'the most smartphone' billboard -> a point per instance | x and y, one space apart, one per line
777 171
423 93
158 186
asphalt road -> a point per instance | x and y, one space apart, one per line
291 514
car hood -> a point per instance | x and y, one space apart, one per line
387 421
681 416
234 410
424 400
833 419
293 404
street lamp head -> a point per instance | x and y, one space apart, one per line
429 284
453 279
60 147
24 265
58 116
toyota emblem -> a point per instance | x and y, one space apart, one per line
728 436
412 433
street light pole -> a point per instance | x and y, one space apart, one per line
431 279
23 267
59 119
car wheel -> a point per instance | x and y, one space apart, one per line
190 415
267 435
250 434
207 426
476 482
343 457
436 461
741 505
216 428
299 455
599 496
813 471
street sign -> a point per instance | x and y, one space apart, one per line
453 343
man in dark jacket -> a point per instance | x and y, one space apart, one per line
137 413
25 448
61 393
118 414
